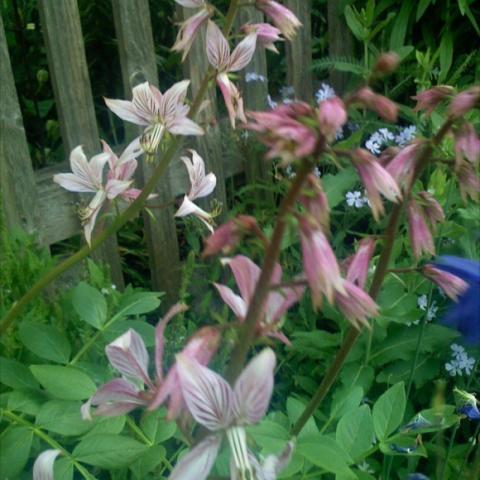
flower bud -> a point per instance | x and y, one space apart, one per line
452 285
428 100
467 144
420 236
315 201
282 17
331 116
386 64
381 105
464 102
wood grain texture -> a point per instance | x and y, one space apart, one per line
73 95
340 43
137 59
209 145
299 51
255 93
17 183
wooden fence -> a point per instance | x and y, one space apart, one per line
31 200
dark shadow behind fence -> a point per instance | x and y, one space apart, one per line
32 201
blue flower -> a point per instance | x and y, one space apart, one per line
470 411
464 315
417 476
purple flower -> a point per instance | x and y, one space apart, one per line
225 412
465 314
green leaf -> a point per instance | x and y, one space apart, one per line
45 341
25 401
156 427
399 30
148 461
335 186
64 383
446 54
62 417
269 435
324 452
431 420
403 446
354 24
112 425
63 469
138 303
294 409
422 6
144 329
15 447
108 451
15 375
464 8
345 399
355 431
388 411
90 305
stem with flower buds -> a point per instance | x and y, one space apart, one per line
263 287
128 213
377 281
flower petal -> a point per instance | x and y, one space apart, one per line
145 101
246 275
129 356
125 110
253 388
207 395
185 126
197 463
43 466
234 301
72 183
171 103
243 53
218 50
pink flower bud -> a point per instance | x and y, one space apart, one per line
402 166
267 34
452 285
376 180
357 270
226 237
388 155
468 181
356 305
420 236
386 64
331 116
432 210
282 17
315 201
464 102
381 105
428 100
467 144
319 263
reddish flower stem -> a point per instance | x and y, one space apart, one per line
378 278
262 289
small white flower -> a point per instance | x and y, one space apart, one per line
460 363
254 77
453 369
365 467
354 199
378 140
432 311
290 173
422 302
287 92
324 92
457 349
406 135
271 103
317 172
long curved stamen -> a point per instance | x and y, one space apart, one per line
237 439
152 137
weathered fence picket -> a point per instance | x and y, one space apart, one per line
17 183
137 59
31 200
73 94
299 51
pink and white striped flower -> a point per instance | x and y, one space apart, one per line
281 16
225 61
128 355
376 180
190 27
201 186
160 113
43 466
87 177
246 275
225 412
267 34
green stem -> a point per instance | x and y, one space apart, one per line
129 213
262 289
133 426
378 278
49 440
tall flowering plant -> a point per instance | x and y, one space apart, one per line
217 414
